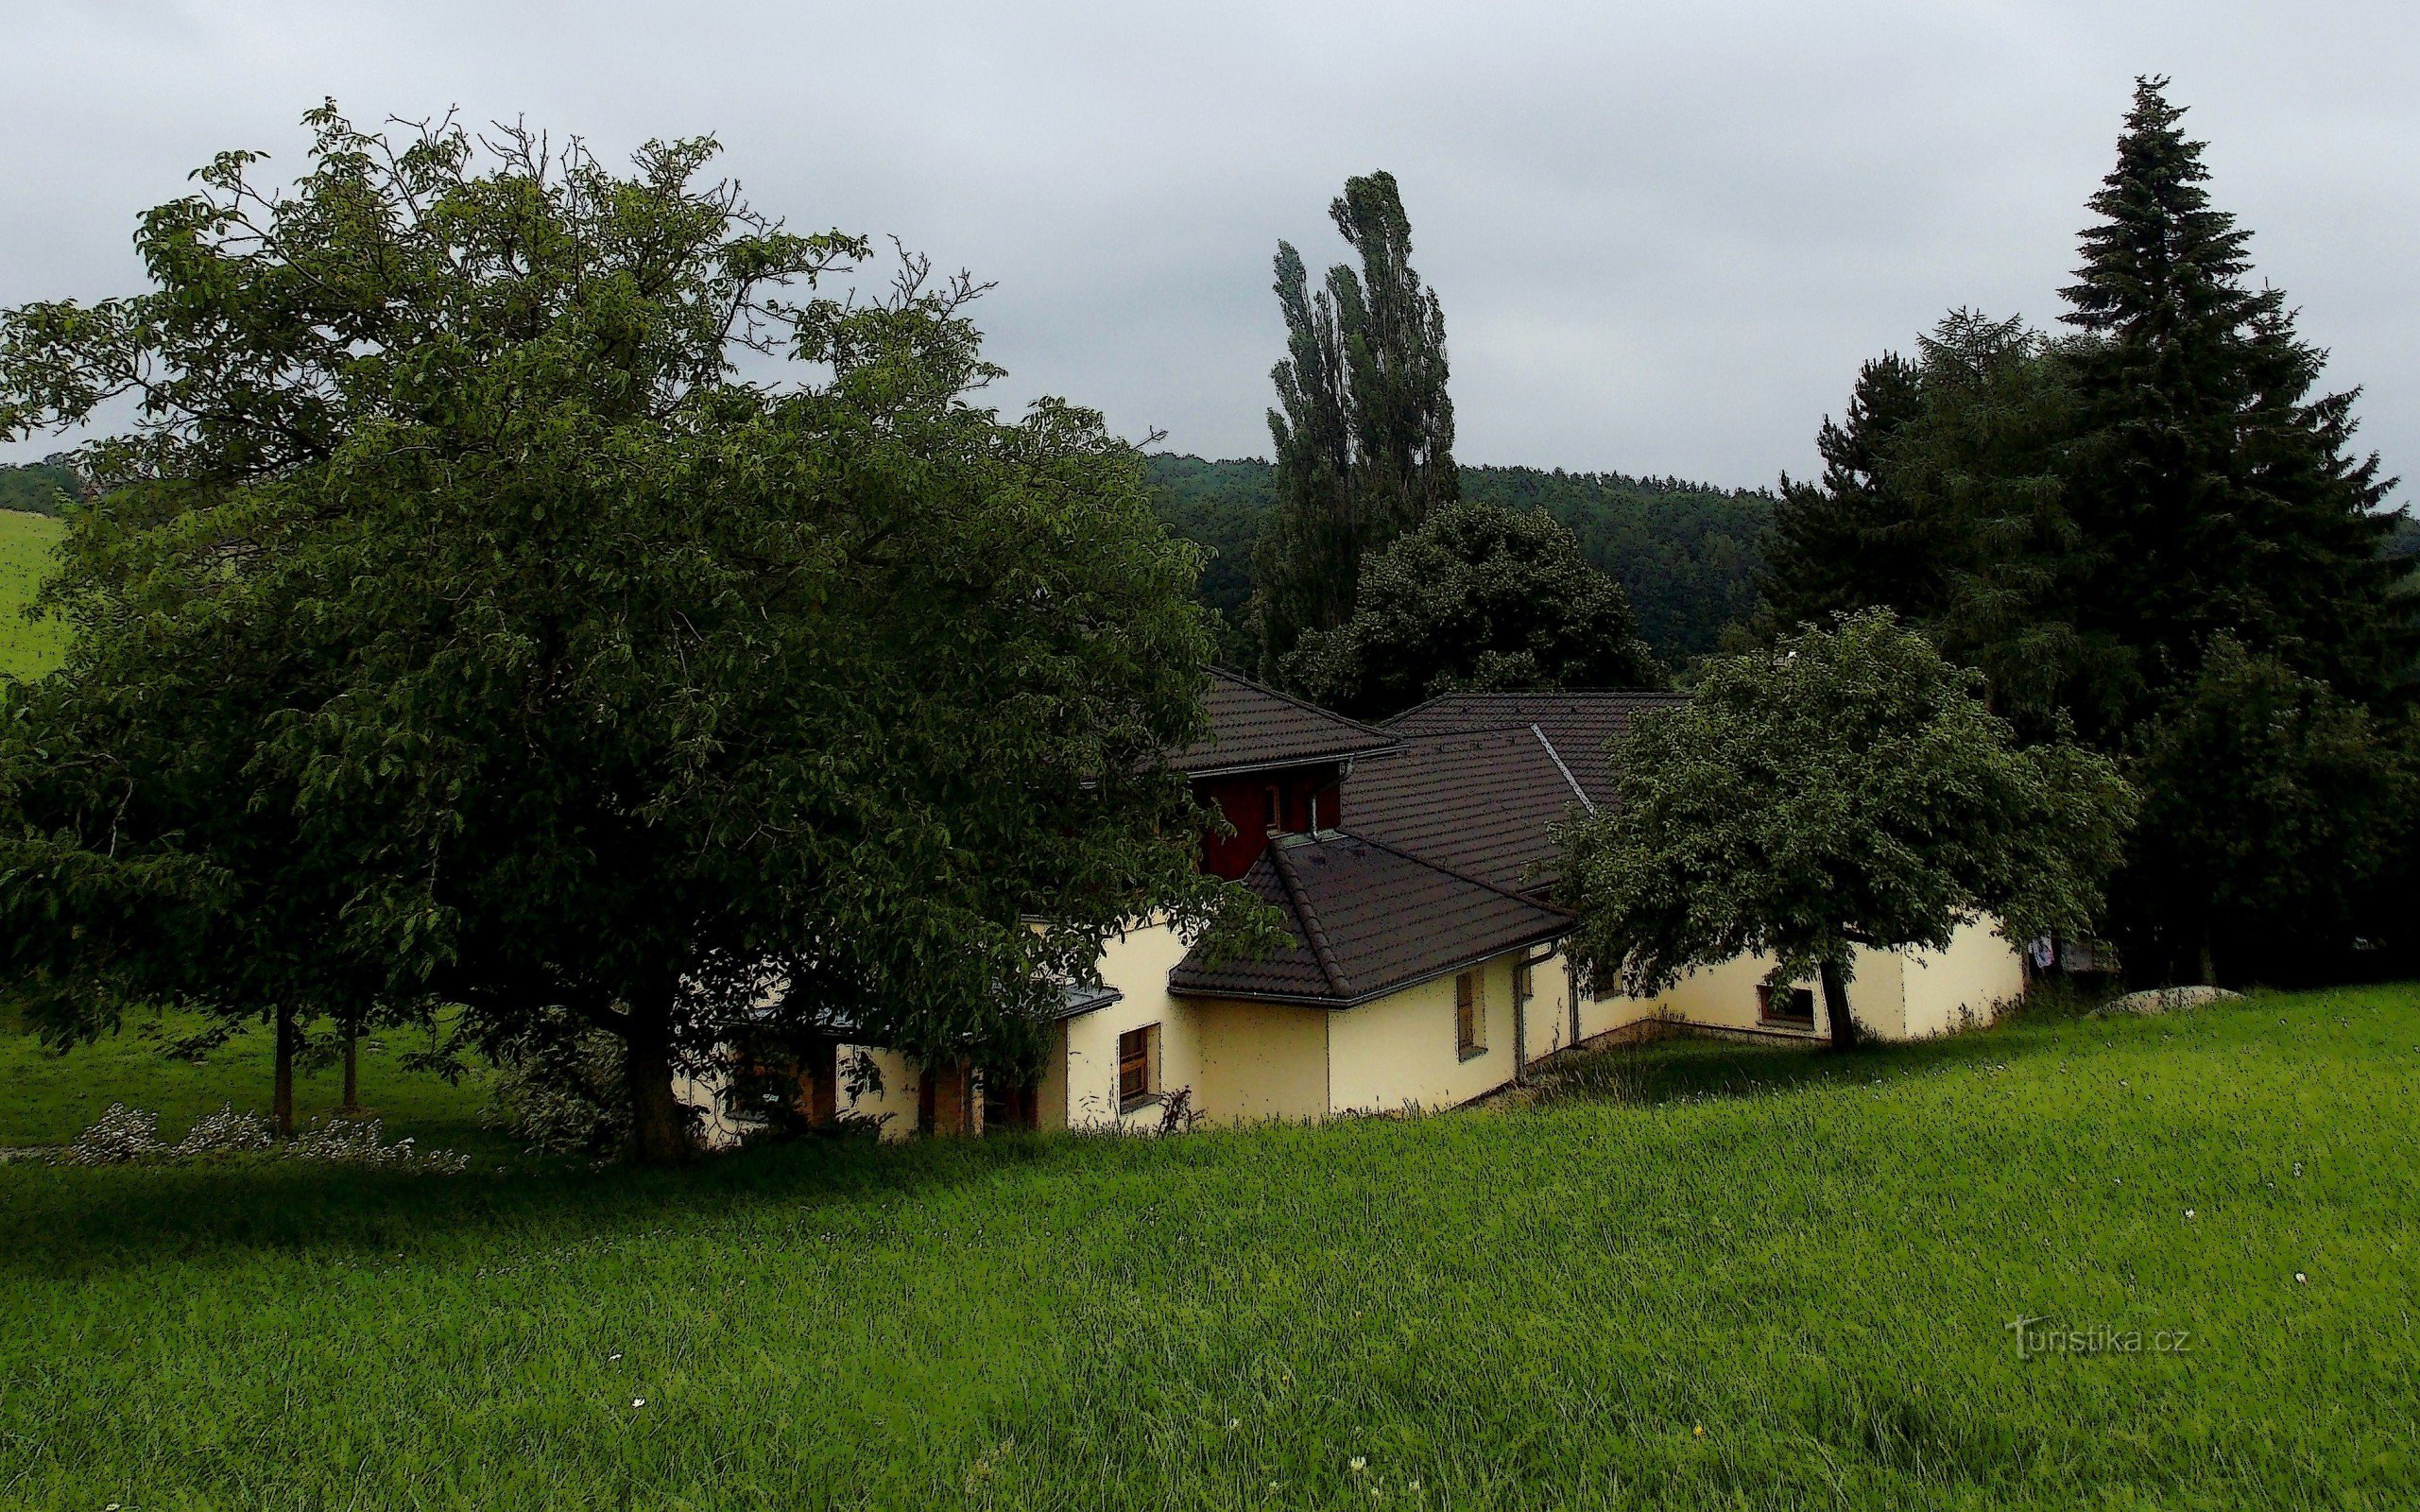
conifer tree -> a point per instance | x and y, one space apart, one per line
1836 542
2213 493
1363 428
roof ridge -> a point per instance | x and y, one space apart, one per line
1561 765
1314 931
1458 875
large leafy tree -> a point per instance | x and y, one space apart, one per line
2276 812
1363 428
1478 597
454 623
2214 490
1845 788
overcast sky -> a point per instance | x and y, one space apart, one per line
1664 234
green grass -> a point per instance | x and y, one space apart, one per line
49 1097
28 648
1813 1261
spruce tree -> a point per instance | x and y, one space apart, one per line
1363 428
1838 544
2213 493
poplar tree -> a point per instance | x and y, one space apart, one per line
2213 493
1362 429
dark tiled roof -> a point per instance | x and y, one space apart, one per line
1578 725
1477 804
1368 920
1256 727
1076 998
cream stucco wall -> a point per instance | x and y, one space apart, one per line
1894 994
1261 1061
1250 1061
1962 987
896 1102
1137 964
1399 1053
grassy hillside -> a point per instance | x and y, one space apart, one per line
1701 1276
28 648
1686 553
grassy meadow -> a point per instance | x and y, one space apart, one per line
28 648
1693 1276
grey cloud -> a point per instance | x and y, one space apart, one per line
1664 234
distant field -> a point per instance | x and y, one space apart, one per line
1700 1276
28 648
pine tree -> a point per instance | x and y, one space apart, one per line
2213 493
1363 428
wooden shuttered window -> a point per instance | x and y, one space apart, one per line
1138 1069
1468 1024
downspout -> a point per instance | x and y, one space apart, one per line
1572 994
1520 1022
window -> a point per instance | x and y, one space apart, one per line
1470 1018
1793 1006
1274 811
1138 1066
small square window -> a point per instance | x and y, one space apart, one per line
1793 1005
1138 1066
1470 1018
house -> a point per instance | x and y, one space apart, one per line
1412 864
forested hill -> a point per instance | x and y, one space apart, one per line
1686 553
38 488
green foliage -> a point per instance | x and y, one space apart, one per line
1942 499
1363 427
2276 813
1846 788
1814 1260
47 487
2213 493
29 646
1218 506
1476 598
1685 554
455 626
2086 520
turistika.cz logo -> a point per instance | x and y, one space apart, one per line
2044 1335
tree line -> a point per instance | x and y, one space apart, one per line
2144 546
1686 554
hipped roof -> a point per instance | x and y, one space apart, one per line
1366 920
1253 728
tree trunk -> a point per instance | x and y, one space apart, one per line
1843 1024
658 1133
282 1098
2209 961
352 1077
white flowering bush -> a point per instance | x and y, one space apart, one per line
125 1135
117 1137
225 1132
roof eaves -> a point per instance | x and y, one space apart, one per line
1555 931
